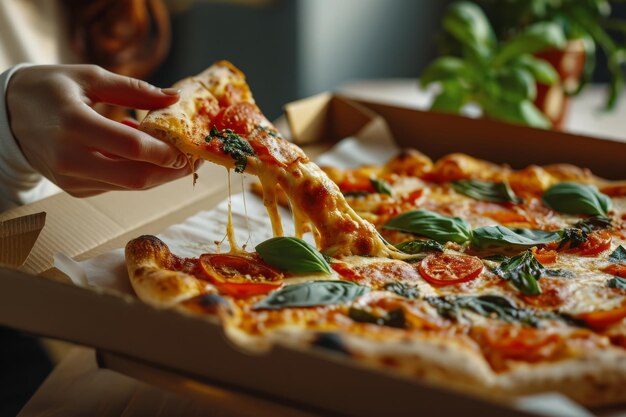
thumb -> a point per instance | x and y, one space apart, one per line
120 90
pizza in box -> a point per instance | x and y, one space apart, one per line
458 272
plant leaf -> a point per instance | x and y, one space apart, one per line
498 236
466 22
541 70
535 38
418 246
495 307
522 271
445 68
292 255
403 290
312 293
451 98
433 225
516 84
574 198
618 255
522 112
590 224
498 192
381 186
233 145
394 318
617 282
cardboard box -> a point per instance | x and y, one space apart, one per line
151 344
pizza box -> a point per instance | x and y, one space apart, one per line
191 355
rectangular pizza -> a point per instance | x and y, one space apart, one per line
459 272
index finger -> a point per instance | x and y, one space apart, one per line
127 142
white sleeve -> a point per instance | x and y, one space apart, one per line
19 182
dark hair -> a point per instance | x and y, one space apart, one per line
129 37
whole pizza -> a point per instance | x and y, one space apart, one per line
458 271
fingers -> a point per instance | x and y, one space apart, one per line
97 132
106 87
115 174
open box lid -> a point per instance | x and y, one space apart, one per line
192 346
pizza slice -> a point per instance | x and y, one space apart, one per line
217 120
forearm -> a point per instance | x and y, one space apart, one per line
19 182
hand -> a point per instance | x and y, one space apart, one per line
52 118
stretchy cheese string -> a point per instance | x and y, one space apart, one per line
245 210
230 229
268 184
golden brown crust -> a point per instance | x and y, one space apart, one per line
153 276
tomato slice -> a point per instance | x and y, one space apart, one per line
240 275
448 269
545 256
602 319
597 242
619 270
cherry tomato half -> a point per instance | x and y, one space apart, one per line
545 256
597 242
602 319
618 270
448 269
240 275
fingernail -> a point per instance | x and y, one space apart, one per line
180 162
170 91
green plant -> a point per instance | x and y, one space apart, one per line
587 20
500 77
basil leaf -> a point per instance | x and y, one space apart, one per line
490 236
433 225
466 22
495 307
517 84
618 255
418 246
313 293
572 238
591 224
407 291
498 192
491 306
394 318
617 282
496 258
522 271
574 198
233 145
541 70
292 255
521 112
445 68
381 187
534 38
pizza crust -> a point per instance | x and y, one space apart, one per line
148 261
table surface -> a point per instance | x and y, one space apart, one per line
76 386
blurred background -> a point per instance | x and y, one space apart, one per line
294 48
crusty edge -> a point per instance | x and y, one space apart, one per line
152 281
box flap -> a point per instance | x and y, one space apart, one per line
437 134
85 227
327 119
18 236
